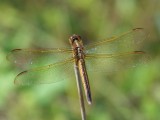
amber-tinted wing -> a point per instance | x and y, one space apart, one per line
31 58
114 53
46 74
42 65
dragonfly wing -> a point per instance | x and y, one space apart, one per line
129 41
114 62
31 58
46 74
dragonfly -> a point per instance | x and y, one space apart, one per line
48 65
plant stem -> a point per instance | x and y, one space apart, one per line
80 92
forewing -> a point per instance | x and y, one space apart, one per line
31 58
129 41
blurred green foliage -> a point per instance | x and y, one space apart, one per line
125 95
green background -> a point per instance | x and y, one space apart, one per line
130 94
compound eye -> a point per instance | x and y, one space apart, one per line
79 37
74 37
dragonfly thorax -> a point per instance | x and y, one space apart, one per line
78 53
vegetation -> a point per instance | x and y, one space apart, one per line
127 94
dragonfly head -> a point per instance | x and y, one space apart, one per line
74 38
